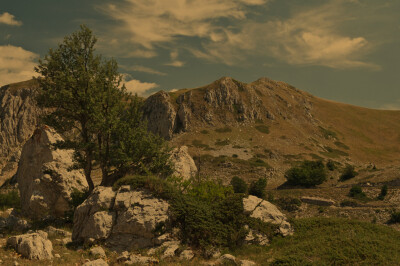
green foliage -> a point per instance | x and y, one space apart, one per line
239 185
257 188
394 217
222 142
104 123
341 145
356 192
348 173
10 199
288 204
330 165
383 193
262 128
328 134
78 197
308 174
225 129
205 132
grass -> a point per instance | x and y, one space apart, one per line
341 145
333 153
222 142
263 129
327 134
199 144
9 200
330 241
224 129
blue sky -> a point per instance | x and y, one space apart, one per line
343 50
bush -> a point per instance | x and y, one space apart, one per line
257 188
308 174
288 204
263 129
356 192
394 217
384 191
348 173
239 185
10 200
331 165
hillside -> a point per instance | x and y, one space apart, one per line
262 128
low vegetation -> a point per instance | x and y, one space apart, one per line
239 185
262 128
348 173
224 129
357 193
257 188
307 174
9 199
383 193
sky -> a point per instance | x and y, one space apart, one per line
342 50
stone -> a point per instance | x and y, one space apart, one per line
267 212
246 263
57 232
184 165
228 258
256 238
141 260
186 254
123 220
170 248
317 201
14 223
19 116
39 160
57 256
97 252
98 262
32 246
123 257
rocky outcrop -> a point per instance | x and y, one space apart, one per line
44 178
123 219
183 163
18 119
267 212
32 246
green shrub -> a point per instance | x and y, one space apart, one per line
308 174
239 185
257 188
394 217
288 204
384 191
330 165
78 197
222 142
356 192
223 129
10 199
348 173
263 129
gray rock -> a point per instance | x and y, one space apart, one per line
124 220
97 252
19 115
32 246
184 165
318 201
267 212
247 263
51 194
228 258
170 248
186 254
98 262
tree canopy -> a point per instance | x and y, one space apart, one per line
90 106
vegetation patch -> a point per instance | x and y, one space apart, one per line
288 204
199 144
327 134
356 192
222 142
262 128
348 173
308 174
205 132
257 188
341 145
333 153
10 199
239 185
224 129
383 193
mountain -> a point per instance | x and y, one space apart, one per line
262 128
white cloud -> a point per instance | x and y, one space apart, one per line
174 60
138 87
143 69
148 23
16 64
8 19
309 37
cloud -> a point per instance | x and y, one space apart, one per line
16 64
143 69
138 87
309 37
8 19
391 106
147 24
174 60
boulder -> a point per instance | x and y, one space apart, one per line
123 220
98 262
317 201
97 252
186 254
44 178
267 212
183 162
14 223
19 116
32 246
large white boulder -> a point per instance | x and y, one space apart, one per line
183 162
124 220
32 246
44 178
267 212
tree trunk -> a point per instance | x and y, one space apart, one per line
88 174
